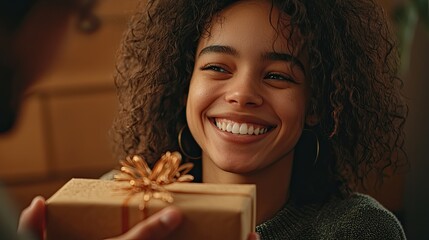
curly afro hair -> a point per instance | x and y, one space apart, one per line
353 75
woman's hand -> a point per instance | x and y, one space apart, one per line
158 226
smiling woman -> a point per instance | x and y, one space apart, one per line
301 99
239 86
238 83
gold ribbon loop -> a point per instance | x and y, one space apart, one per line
149 182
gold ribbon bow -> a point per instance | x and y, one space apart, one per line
149 182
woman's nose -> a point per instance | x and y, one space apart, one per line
244 92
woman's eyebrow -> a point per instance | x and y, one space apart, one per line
219 49
275 56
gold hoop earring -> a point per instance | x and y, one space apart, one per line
317 145
182 149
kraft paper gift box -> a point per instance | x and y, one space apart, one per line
98 209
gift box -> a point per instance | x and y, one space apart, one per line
98 209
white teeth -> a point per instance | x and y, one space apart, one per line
240 128
236 128
243 128
223 126
229 127
250 130
256 131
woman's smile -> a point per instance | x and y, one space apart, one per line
240 128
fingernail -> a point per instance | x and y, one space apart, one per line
170 217
36 199
255 236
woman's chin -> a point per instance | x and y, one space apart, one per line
235 167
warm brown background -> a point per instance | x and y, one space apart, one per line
63 128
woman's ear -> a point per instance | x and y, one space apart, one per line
312 120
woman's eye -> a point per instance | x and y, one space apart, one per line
215 68
281 77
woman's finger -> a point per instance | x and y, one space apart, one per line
253 236
32 219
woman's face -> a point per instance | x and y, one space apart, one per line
246 105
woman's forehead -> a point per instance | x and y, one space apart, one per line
248 21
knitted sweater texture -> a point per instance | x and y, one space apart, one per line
356 217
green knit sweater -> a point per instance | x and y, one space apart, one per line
356 217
